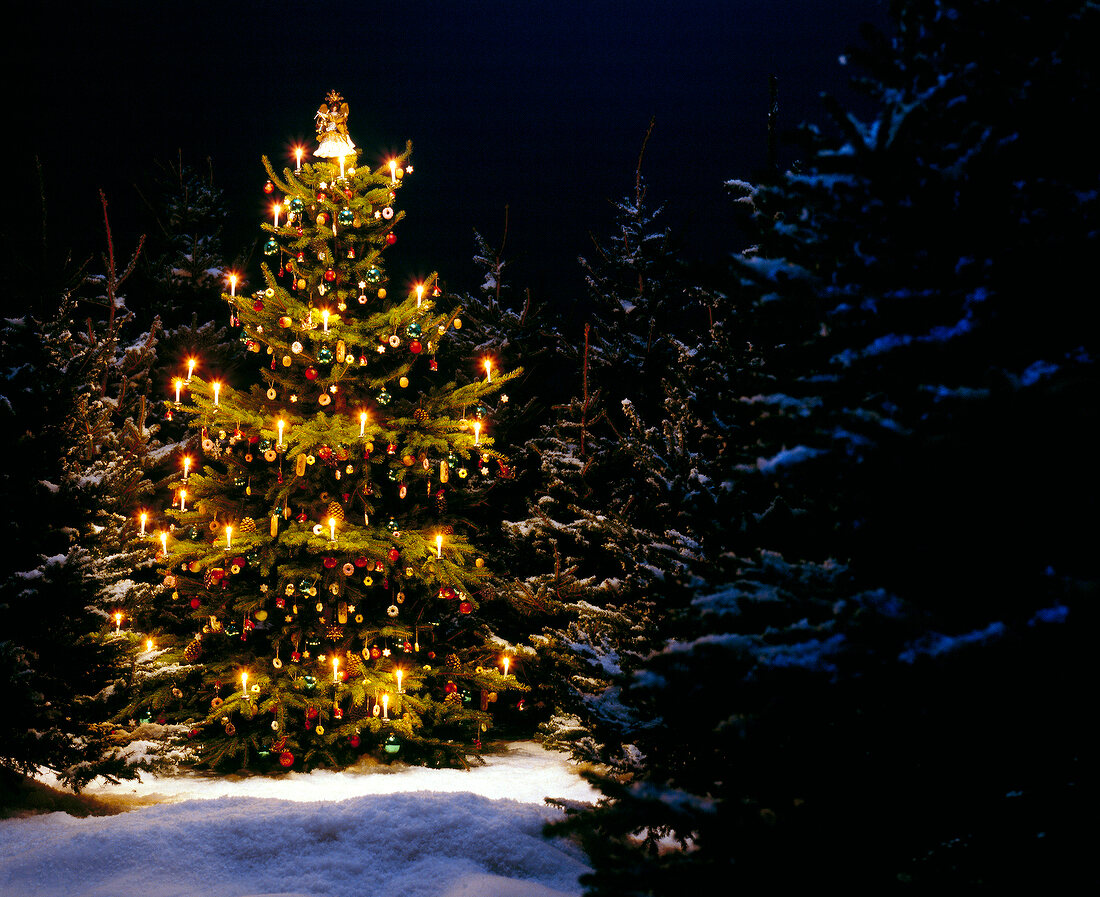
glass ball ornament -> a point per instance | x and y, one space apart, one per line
296 205
346 217
413 330
383 397
271 247
325 355
391 238
374 274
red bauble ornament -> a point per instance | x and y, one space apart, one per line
391 238
258 305
269 187
330 563
195 603
393 555
415 347
464 607
360 561
446 593
286 759
330 276
353 740
450 688
311 373
375 652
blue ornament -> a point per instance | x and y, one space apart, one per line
346 217
296 205
374 274
324 355
271 247
413 330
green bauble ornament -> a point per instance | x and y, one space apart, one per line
392 526
193 534
391 745
271 247
383 397
310 681
480 411
296 205
324 355
374 274
346 217
413 329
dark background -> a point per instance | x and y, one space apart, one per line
540 106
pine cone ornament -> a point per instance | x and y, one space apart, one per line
453 664
454 699
335 509
441 502
193 651
248 525
420 416
353 666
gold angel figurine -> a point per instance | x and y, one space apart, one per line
332 128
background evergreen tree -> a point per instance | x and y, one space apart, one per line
888 699
331 590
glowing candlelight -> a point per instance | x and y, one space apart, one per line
191 362
477 432
229 537
385 706
419 294
233 277
244 685
281 424
186 466
118 623
298 156
183 499
399 673
362 423
335 665
505 661
439 545
164 542
179 386
277 209
217 387
332 529
488 370
324 318
148 644
393 171
144 517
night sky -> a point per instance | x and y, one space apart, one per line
542 107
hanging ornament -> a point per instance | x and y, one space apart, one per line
383 397
346 217
387 213
271 247
324 355
311 373
374 275
415 346
391 238
296 205
330 275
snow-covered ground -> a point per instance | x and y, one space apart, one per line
388 830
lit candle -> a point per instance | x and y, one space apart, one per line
335 665
217 387
488 370
385 706
148 644
324 318
399 673
233 277
179 386
281 424
183 499
277 209
244 685
164 542
439 545
298 156
228 537
190 368
144 517
362 423
118 623
477 432
332 529
419 294
186 466
393 171
505 662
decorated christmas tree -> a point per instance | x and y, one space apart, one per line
319 541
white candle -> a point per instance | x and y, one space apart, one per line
393 171
216 386
183 499
186 466
362 423
118 623
324 319
335 665
488 370
505 662
477 432
419 294
148 644
281 424
244 685
144 517
164 542
439 545
298 156
341 166
332 529
190 368
233 277
229 537
399 673
385 706
277 209
179 386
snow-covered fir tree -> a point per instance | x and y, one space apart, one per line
875 686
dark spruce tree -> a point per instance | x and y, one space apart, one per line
877 686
